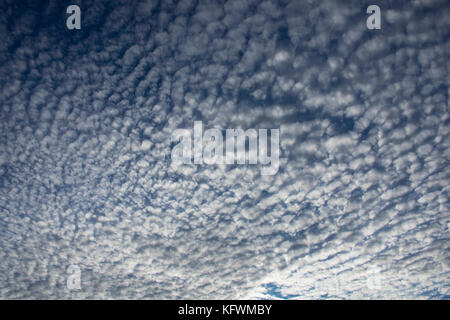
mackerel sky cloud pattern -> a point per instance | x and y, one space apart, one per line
359 207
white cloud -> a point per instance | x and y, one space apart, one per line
86 177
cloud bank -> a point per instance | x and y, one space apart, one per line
358 209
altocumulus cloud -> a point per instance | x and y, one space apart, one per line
359 206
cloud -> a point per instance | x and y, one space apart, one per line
358 208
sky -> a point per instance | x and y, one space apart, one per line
359 208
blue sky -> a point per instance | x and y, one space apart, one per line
358 209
